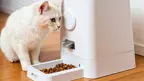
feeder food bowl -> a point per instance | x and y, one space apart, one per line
67 75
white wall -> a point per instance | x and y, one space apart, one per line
137 4
137 11
9 6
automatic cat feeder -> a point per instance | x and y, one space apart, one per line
97 38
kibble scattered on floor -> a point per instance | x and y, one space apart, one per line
58 68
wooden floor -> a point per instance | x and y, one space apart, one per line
51 50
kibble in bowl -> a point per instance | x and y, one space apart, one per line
58 68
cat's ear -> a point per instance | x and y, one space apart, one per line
44 7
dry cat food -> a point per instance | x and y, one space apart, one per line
58 68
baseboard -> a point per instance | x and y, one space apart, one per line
139 49
6 9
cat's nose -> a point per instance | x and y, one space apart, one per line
58 26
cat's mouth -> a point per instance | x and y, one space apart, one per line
54 30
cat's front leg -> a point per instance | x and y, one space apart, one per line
23 54
35 55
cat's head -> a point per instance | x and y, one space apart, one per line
49 16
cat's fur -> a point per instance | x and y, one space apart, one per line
25 29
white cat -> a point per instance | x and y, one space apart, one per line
25 29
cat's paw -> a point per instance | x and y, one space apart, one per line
13 60
25 66
36 62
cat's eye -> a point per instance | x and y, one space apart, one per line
59 18
53 20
